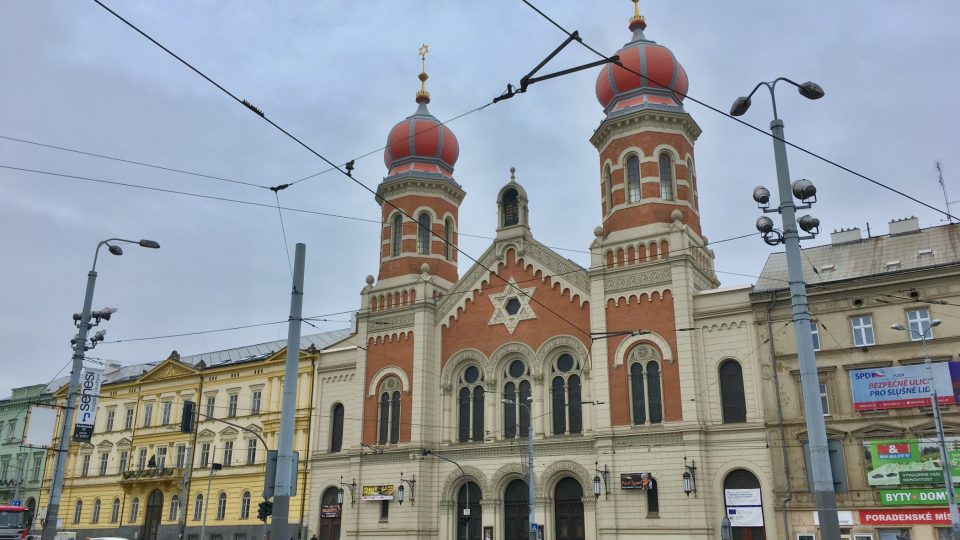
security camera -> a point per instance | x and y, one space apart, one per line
804 189
764 224
761 195
809 224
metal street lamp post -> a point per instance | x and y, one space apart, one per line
531 520
809 379
935 404
79 348
466 508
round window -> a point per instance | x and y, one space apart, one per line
513 306
565 362
471 374
517 368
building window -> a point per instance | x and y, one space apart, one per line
124 458
824 398
607 190
336 428
255 402
36 468
448 239
516 389
221 506
227 453
837 467
815 334
732 401
919 322
511 207
666 177
77 511
128 418
12 430
565 390
232 405
147 414
646 394
389 419
384 510
85 465
110 416
245 505
198 507
95 513
141 459
115 511
205 454
211 406
181 455
470 403
633 179
251 451
396 238
653 498
174 508
134 509
166 410
423 233
104 459
690 180
862 327
161 457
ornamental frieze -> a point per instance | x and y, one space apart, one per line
379 324
636 281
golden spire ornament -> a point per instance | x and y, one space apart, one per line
637 19
423 52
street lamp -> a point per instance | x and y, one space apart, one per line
79 348
935 404
532 518
809 380
413 489
690 477
466 486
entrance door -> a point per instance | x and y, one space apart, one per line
329 515
516 512
475 524
745 480
151 518
568 508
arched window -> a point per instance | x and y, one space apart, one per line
516 389
174 508
329 515
95 514
115 511
77 511
690 181
470 400
389 419
741 479
198 507
568 510
396 235
666 177
653 497
423 233
448 239
607 189
336 429
646 395
134 509
511 207
633 178
221 505
732 401
245 505
565 395
469 496
516 511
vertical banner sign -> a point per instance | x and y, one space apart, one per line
87 403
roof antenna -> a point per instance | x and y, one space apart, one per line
943 188
868 230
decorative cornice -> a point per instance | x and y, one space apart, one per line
636 280
416 184
382 324
618 126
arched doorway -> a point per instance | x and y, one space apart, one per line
152 515
329 515
475 523
516 512
744 505
568 509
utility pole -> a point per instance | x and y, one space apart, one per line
21 460
279 525
213 468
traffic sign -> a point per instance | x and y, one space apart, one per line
16 502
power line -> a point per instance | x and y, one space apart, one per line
741 121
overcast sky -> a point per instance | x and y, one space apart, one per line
339 75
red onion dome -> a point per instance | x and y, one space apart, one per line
420 143
664 82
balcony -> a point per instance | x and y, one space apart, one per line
155 475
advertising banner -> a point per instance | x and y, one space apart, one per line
742 497
87 403
913 497
909 462
745 516
905 517
902 386
329 511
377 493
641 480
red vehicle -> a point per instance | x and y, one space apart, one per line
14 522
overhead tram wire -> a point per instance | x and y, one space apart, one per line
810 153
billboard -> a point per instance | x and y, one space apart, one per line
41 421
87 403
914 462
903 386
744 507
640 480
377 493
914 497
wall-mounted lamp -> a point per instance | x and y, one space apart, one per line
596 481
351 486
690 477
413 490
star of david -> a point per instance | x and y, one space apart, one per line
512 306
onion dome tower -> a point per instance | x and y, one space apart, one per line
419 197
645 140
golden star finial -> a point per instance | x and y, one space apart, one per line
423 52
